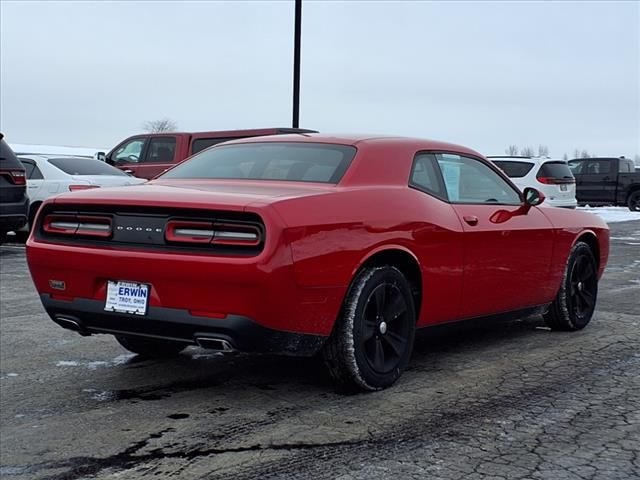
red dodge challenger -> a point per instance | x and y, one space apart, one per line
308 243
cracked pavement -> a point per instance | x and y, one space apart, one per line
490 400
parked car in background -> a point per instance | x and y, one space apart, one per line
551 177
14 201
607 181
150 154
49 175
297 244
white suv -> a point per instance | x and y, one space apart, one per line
551 177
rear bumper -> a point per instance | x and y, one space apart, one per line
13 216
242 333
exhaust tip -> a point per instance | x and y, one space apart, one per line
71 324
217 344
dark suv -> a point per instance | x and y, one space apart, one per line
14 202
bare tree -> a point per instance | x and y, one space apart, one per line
565 157
576 153
543 151
512 150
160 126
636 159
585 154
527 152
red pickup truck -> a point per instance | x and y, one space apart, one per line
150 154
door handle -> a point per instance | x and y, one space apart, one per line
471 220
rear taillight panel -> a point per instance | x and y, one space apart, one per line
234 233
80 225
15 176
214 233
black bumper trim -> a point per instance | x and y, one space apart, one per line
244 334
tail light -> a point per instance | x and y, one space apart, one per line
84 225
215 233
16 177
75 188
555 180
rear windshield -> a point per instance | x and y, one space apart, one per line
555 170
84 166
288 161
514 169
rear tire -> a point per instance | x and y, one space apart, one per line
576 300
151 347
634 201
372 340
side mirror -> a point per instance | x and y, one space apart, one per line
100 156
532 197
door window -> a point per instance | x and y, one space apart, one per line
130 152
470 181
161 150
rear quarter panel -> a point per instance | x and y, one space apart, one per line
571 226
331 235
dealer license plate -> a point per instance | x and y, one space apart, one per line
127 297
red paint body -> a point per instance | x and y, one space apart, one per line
319 235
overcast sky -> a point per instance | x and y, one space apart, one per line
482 74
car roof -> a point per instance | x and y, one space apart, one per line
360 140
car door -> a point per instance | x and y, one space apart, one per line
34 180
159 155
507 247
127 156
595 180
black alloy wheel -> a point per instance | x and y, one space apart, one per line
372 339
386 328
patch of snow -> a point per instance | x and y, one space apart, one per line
12 374
55 149
612 214
66 363
117 361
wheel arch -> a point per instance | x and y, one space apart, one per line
404 260
590 239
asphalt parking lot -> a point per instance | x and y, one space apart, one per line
494 400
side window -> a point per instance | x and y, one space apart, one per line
161 150
426 177
576 167
200 144
468 180
36 174
129 152
28 167
597 167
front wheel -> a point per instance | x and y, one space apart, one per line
576 300
634 201
373 337
151 347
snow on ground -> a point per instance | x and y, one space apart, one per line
612 214
56 149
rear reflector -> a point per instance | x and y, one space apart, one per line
75 188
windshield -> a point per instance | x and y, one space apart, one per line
288 161
85 166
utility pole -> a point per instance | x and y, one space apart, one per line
296 64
